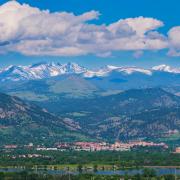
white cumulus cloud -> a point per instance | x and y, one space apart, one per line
31 31
174 41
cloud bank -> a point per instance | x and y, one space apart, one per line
31 31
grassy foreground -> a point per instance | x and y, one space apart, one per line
149 175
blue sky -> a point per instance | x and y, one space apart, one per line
166 11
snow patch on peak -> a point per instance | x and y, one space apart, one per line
129 70
166 68
73 68
110 67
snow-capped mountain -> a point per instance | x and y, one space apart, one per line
39 71
166 68
130 70
47 70
109 69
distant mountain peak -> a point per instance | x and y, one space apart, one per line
39 71
74 68
166 68
128 70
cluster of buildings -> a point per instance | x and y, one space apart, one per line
92 146
177 150
103 146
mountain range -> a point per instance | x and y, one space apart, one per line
49 81
133 114
50 102
47 70
136 113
